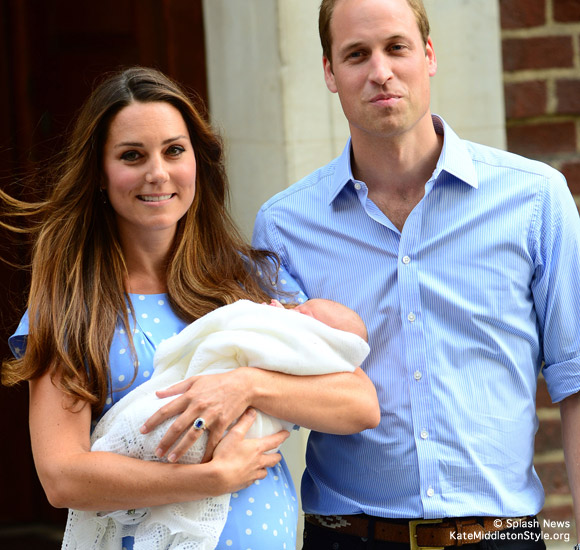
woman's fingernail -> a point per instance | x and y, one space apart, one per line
172 457
159 452
143 429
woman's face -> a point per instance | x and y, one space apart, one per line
149 167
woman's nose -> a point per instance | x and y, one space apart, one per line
156 171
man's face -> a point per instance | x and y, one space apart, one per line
380 66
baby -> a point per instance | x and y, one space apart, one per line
332 314
316 337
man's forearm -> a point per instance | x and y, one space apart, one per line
342 403
570 412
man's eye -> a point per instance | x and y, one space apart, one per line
130 156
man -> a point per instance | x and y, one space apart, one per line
462 260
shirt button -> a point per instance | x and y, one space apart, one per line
406 260
430 492
357 186
411 317
417 375
424 434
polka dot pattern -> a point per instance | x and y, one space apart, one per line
287 284
264 515
154 322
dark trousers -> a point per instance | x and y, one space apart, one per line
321 538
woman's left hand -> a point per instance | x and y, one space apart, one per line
217 398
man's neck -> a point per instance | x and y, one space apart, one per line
399 163
395 169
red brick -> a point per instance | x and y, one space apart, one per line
554 477
518 14
557 524
525 99
557 513
568 94
541 140
571 171
546 52
549 436
543 399
566 11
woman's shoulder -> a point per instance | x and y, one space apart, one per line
287 288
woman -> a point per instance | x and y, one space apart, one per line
133 243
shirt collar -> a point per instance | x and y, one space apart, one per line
342 173
455 159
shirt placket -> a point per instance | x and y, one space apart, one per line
417 368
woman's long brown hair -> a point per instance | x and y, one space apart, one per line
77 294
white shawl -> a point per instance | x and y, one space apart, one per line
240 334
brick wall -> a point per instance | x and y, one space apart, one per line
541 62
549 463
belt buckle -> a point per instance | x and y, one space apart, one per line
413 534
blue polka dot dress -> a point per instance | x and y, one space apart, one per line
262 516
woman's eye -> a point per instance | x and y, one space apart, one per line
130 156
175 150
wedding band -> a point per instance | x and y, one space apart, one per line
199 424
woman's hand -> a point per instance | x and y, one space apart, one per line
219 399
242 461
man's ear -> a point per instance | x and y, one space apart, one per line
431 57
329 75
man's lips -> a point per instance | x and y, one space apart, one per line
385 99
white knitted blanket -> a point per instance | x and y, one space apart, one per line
240 334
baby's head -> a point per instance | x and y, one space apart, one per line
332 314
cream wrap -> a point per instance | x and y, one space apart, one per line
240 334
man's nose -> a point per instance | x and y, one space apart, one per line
380 69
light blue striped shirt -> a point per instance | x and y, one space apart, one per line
462 307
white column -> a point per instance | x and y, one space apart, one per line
468 88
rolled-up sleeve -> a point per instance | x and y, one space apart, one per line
556 287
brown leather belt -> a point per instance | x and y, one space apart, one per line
420 533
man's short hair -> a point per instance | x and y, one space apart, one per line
325 16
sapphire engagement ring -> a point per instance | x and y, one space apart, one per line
199 424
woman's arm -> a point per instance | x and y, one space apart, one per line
74 477
341 403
